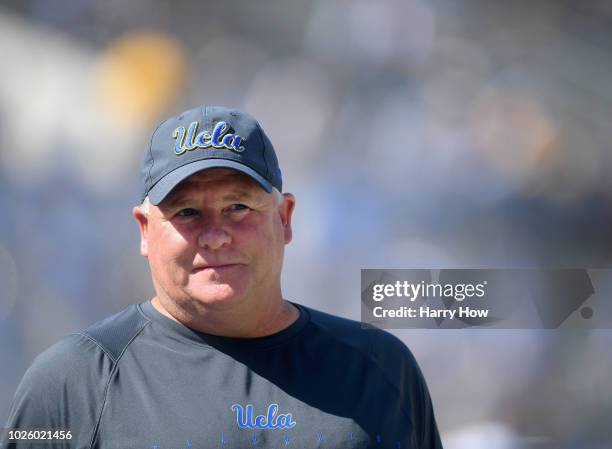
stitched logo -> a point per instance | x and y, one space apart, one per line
220 137
246 419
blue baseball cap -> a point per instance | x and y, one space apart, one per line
207 137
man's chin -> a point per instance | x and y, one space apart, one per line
218 295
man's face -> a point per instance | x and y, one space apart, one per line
216 241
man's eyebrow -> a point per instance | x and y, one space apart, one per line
180 199
175 200
237 196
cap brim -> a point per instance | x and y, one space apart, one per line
165 185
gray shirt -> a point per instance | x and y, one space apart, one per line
141 380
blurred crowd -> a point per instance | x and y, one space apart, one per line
414 134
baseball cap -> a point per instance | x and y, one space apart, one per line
207 137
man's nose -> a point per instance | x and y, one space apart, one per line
213 234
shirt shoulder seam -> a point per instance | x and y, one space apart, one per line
94 341
110 378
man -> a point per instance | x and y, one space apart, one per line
218 359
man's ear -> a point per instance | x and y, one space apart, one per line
143 222
285 209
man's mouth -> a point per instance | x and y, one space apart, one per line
215 267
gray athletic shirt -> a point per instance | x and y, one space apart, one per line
141 380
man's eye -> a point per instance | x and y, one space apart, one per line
187 212
237 208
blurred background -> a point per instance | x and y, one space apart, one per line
414 134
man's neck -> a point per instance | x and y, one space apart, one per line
232 323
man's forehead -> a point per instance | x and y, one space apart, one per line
232 179
215 175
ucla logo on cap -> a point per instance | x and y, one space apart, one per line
220 137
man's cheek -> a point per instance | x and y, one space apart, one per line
161 263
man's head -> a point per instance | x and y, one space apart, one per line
214 225
207 137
